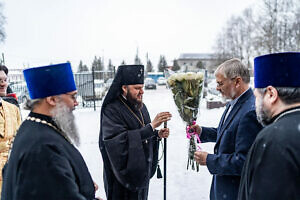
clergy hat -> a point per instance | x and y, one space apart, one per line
278 70
49 80
131 74
126 75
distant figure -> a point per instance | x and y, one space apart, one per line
10 120
9 96
272 168
128 139
235 134
44 163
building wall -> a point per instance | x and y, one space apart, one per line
187 64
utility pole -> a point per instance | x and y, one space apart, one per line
3 61
103 59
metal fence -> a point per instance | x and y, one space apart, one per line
91 87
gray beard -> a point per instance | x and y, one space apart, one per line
65 120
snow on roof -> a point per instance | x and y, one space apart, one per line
197 56
15 71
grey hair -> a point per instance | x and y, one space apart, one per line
233 68
288 95
31 103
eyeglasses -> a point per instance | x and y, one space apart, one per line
221 83
73 96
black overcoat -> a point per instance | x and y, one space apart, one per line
272 168
44 165
129 151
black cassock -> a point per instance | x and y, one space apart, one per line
44 165
272 168
129 151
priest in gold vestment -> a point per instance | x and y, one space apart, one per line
10 120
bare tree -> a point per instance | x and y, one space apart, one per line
236 38
274 28
296 28
2 22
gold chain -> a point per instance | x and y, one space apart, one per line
34 119
141 122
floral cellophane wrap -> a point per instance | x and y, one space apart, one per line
187 92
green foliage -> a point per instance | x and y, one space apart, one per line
162 64
186 89
82 67
137 60
97 64
200 65
176 66
110 65
149 67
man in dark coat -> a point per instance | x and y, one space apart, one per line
235 134
272 168
128 140
44 163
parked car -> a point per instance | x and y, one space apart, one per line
100 88
108 83
161 81
211 88
149 83
20 89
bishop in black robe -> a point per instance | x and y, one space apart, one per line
127 141
129 148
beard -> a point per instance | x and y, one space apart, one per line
133 101
65 120
263 115
230 96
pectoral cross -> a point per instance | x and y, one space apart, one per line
140 74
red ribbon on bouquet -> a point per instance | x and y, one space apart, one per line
190 132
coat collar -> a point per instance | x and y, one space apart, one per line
286 112
48 119
236 107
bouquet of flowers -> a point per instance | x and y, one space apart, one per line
187 91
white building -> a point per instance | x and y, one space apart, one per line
192 61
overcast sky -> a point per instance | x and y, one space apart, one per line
40 32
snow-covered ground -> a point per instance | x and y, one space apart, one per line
181 184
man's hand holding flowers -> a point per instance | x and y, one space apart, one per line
197 129
200 157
